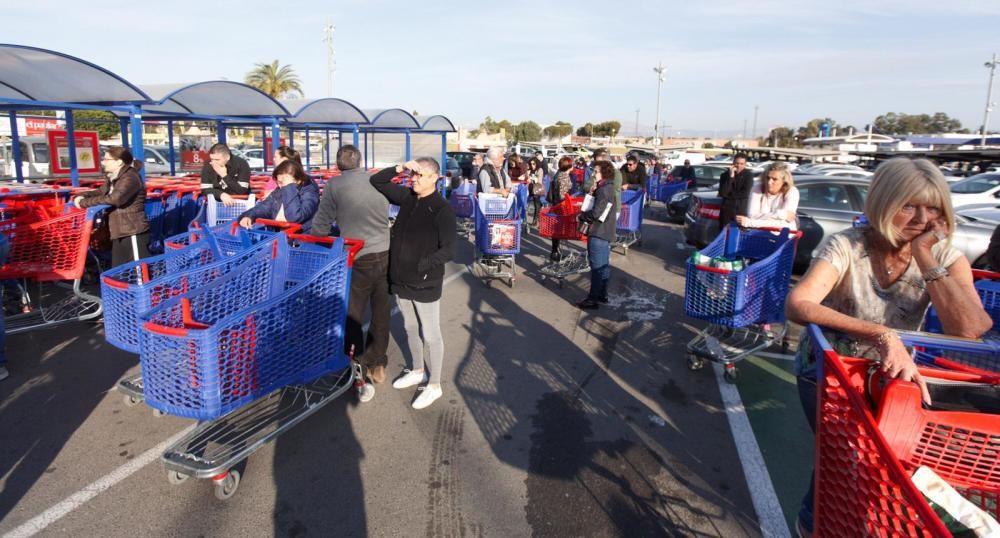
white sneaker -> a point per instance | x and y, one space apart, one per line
427 396
410 378
3 373
366 393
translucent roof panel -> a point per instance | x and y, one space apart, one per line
392 118
44 75
437 123
328 110
213 98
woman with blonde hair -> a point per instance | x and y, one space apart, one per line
773 201
867 282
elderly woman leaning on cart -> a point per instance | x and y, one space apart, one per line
867 282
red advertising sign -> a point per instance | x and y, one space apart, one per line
269 149
193 159
38 126
87 154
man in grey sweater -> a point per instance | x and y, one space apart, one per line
361 212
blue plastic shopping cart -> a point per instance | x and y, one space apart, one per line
498 237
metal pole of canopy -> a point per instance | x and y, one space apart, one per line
170 147
275 136
263 144
407 146
307 148
356 136
136 123
220 132
15 146
74 173
327 149
366 151
444 163
123 126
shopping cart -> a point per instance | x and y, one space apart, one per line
294 337
46 248
665 191
988 287
498 237
214 212
462 200
629 225
745 308
865 456
560 222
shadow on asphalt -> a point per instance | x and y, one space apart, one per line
59 374
595 464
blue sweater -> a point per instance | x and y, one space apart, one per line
300 204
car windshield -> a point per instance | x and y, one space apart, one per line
976 184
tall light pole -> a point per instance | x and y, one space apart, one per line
331 58
992 64
637 123
661 75
754 131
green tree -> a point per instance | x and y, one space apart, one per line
507 128
893 123
707 145
274 80
83 120
527 131
607 128
586 130
558 129
780 137
812 129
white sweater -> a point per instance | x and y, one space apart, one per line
772 211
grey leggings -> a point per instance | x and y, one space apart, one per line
423 326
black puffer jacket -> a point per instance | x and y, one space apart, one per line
127 197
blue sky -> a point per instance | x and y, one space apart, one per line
574 61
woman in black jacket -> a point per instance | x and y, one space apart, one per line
421 242
126 195
602 218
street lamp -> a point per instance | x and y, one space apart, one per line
992 64
661 75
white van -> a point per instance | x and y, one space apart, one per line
677 158
35 158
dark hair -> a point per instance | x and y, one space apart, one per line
534 162
607 169
220 148
294 169
288 153
632 158
125 156
565 163
348 157
599 151
740 156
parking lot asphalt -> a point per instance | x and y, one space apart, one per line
554 422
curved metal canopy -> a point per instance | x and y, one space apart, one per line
392 118
29 73
436 123
212 98
328 110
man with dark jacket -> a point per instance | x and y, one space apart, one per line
685 173
423 241
361 212
734 189
633 174
224 175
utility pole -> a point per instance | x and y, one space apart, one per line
661 75
637 123
754 132
992 64
331 58
744 129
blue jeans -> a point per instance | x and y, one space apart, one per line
599 256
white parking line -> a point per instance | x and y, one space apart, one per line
778 356
78 499
40 522
765 500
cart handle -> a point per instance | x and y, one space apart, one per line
717 270
797 234
353 245
980 274
290 227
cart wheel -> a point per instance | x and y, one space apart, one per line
512 282
157 413
695 363
130 401
561 283
228 486
176 478
730 373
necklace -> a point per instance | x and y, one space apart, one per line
889 269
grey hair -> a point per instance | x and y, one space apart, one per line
430 165
494 152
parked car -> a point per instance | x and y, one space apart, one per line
34 157
706 179
157 159
829 204
452 173
464 159
980 189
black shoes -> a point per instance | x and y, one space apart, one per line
588 304
555 256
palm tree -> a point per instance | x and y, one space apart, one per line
274 80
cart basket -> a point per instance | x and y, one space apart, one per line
51 249
753 295
630 216
560 220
